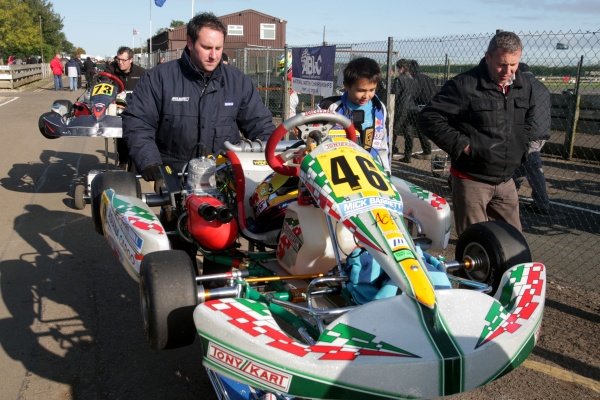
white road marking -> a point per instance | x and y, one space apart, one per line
9 100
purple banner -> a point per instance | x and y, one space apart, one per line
312 70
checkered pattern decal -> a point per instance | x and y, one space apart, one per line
342 343
521 295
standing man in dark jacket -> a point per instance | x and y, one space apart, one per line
482 118
130 74
405 89
196 100
124 68
426 89
90 70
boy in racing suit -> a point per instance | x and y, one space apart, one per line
360 104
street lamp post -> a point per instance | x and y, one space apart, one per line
41 40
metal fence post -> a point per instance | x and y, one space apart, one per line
390 99
286 86
573 116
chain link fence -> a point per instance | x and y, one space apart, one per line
568 63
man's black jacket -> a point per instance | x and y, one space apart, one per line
471 110
175 107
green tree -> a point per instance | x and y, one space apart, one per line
176 23
18 34
54 40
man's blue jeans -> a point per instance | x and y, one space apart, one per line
57 82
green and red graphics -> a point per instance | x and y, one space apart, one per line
389 348
520 295
131 229
343 342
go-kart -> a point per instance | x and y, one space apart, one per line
331 297
95 114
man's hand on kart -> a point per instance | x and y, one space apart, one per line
152 173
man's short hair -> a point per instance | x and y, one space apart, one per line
362 67
204 20
507 41
125 49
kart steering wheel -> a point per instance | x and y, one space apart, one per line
114 79
331 118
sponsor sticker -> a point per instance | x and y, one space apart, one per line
233 361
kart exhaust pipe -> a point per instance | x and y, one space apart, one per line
210 213
207 212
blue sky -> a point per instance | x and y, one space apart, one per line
110 23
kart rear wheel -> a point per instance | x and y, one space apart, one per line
122 182
495 246
168 294
79 196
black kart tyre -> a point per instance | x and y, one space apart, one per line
168 295
495 246
79 196
122 182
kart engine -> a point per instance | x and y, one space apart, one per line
210 221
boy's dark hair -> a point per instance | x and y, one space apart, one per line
204 20
362 67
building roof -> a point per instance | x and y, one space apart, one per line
246 12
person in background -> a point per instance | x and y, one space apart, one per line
286 70
90 70
360 104
225 58
124 68
540 132
130 74
73 72
482 118
81 71
425 90
191 106
405 88
57 68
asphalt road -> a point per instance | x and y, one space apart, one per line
70 324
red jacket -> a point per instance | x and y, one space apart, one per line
56 66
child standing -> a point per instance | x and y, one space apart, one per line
360 104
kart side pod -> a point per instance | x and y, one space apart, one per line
210 222
305 246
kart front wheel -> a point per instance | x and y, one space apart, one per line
493 247
168 294
79 196
123 183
